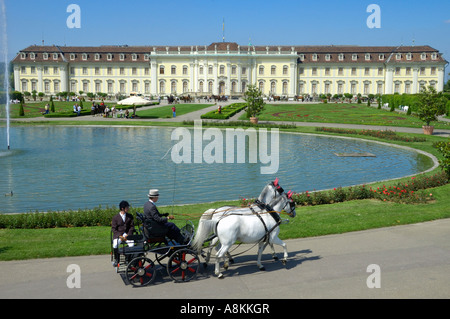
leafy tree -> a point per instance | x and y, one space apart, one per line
255 102
431 104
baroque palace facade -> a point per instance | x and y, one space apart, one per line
226 68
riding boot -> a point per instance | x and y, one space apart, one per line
116 257
181 239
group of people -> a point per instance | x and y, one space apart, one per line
123 223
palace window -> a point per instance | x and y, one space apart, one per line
134 57
173 70
285 88
134 71
45 56
285 69
398 56
97 57
210 70
72 56
233 70
367 56
84 56
161 69
122 71
261 70
55 56
222 69
200 71
423 56
354 57
433 56
341 57
273 70
122 57
314 57
109 56
23 55
408 56
185 70
327 57
381 57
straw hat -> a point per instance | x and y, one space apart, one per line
153 193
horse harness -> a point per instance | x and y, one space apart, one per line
272 213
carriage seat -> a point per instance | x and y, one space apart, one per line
152 231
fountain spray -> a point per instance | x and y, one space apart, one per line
5 54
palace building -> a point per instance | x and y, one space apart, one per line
226 68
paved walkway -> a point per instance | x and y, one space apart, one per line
196 116
413 261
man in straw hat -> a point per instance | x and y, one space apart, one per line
151 212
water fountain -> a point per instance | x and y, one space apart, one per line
5 55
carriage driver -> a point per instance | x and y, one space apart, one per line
122 226
151 212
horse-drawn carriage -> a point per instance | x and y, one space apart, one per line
140 270
221 227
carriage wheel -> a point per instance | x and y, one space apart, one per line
140 271
183 265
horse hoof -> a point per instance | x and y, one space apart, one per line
231 261
220 276
205 265
275 258
262 268
284 261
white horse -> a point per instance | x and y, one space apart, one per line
260 226
268 195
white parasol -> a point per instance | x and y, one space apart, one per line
134 100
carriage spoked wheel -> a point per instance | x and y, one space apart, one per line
183 265
140 271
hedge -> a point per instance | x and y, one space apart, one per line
226 112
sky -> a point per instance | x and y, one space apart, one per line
202 22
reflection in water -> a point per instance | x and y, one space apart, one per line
62 168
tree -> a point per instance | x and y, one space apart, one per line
254 100
431 104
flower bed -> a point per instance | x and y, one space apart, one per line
411 192
383 134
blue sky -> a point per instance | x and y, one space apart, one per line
199 22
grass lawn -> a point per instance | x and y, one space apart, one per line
340 113
35 109
310 221
166 111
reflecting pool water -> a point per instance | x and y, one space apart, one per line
62 168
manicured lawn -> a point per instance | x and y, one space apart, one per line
310 221
166 111
35 109
340 113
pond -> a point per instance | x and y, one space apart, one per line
52 168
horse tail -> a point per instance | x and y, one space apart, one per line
206 226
